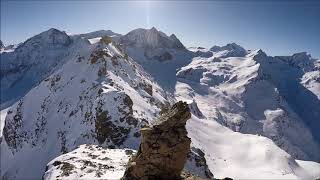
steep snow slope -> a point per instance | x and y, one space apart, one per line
245 94
244 156
97 97
159 54
33 61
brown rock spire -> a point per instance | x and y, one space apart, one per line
164 147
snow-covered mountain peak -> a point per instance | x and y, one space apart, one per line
302 57
257 53
34 60
153 29
50 37
151 39
229 46
229 50
301 60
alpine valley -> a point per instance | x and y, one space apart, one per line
72 106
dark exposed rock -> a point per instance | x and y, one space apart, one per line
106 127
1 45
196 158
146 87
98 54
106 39
164 147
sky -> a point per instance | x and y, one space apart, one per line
278 27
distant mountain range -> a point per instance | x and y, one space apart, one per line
253 115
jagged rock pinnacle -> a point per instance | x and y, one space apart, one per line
164 147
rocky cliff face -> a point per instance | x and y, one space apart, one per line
164 147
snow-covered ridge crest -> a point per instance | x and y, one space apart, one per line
151 38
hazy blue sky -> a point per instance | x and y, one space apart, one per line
278 27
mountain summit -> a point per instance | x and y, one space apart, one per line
151 38
229 50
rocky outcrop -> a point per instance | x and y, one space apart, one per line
88 162
164 147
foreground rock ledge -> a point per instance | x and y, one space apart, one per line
164 147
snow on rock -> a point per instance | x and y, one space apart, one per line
99 96
311 80
89 162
